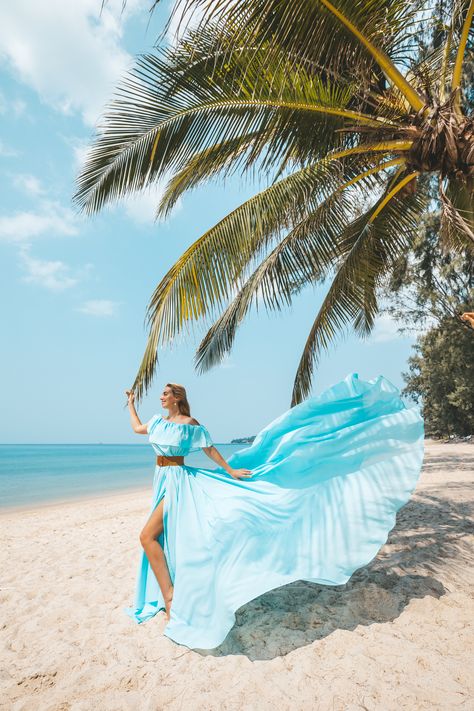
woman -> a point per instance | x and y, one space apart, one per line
175 401
312 498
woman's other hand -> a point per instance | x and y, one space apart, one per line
130 395
241 473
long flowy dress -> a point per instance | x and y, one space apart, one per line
329 476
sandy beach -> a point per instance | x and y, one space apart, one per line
398 635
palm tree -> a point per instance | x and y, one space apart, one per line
340 106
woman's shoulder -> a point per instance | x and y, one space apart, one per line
191 421
185 421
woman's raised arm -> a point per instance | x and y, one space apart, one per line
136 423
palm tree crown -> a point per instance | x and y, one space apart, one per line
341 106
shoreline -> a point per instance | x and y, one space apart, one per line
103 497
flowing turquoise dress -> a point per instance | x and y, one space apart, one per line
329 476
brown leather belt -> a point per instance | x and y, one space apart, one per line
169 461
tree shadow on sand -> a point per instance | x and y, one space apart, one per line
428 544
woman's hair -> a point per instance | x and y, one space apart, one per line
179 392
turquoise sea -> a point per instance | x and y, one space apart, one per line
35 474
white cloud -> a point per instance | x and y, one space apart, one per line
48 218
80 148
68 52
98 307
141 206
15 106
29 184
18 107
51 219
53 275
182 20
6 151
385 329
188 16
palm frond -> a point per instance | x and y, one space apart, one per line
222 159
457 71
149 131
303 256
311 31
429 73
457 217
370 244
382 59
227 157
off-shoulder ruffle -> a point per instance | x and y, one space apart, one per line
176 438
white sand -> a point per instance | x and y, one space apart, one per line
398 635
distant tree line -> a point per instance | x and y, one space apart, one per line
428 292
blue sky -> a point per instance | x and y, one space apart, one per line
75 289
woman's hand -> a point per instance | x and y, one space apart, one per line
241 473
130 395
468 317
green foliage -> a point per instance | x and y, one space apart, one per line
428 289
428 281
441 376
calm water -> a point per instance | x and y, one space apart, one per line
33 474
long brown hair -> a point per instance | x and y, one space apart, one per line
179 391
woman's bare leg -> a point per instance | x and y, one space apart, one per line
155 554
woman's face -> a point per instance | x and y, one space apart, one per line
167 398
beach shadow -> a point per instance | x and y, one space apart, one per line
427 544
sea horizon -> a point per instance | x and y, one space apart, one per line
41 473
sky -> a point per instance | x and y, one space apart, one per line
75 289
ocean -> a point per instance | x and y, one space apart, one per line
35 474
